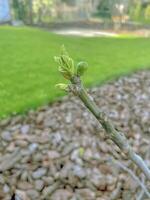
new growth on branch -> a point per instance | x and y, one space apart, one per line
68 69
73 72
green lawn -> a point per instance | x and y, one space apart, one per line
28 72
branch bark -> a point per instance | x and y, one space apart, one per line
140 183
117 137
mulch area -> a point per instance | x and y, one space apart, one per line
60 152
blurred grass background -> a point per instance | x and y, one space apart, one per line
28 73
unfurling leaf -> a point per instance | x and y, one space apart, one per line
66 64
58 60
65 73
81 68
62 86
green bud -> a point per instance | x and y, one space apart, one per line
62 86
81 68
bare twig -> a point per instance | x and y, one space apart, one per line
117 137
140 183
140 196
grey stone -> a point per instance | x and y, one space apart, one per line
68 117
79 171
21 195
39 184
39 173
86 194
6 188
48 180
88 154
25 129
21 143
33 147
38 157
61 194
9 160
7 136
32 194
24 185
40 118
53 154
11 147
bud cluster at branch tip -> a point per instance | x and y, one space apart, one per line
67 67
66 64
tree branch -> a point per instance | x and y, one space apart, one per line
117 137
140 183
73 73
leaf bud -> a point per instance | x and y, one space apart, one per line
81 68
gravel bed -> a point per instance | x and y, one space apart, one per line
60 152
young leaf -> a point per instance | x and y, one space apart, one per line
66 64
66 74
62 86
